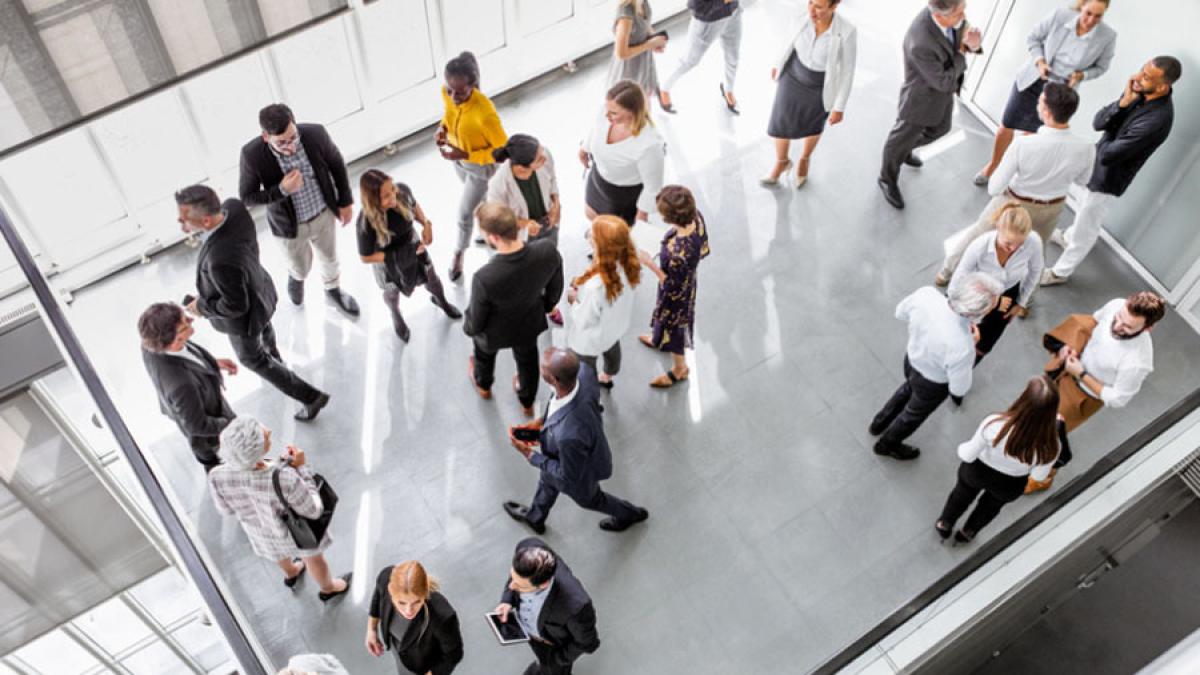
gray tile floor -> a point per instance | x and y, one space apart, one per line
776 536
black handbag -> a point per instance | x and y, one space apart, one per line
307 532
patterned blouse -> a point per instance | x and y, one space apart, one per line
250 495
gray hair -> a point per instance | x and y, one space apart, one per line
243 442
944 7
974 297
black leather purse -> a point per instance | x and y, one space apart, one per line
307 532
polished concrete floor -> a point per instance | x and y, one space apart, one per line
775 536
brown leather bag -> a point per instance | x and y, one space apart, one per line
1073 403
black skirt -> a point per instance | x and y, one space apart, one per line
799 110
1021 110
605 198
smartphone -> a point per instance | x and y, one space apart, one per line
188 299
526 434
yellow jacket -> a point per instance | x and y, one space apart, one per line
473 126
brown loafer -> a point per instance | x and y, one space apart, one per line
484 394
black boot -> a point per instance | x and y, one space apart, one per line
398 324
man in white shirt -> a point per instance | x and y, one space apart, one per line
1108 369
1036 171
938 362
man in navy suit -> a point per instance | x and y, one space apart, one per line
574 455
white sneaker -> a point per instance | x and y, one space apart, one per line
1057 237
1049 278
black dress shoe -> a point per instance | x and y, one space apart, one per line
964 537
913 161
343 300
310 410
614 525
943 529
520 513
296 290
444 305
326 597
901 451
891 192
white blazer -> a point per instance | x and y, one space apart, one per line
839 72
593 323
503 186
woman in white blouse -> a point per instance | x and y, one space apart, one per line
625 154
1007 450
815 71
1011 254
1069 46
601 299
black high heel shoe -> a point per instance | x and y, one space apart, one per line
667 107
732 107
964 537
943 529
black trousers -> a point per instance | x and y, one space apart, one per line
1064 446
260 354
526 357
903 139
599 500
205 450
998 489
543 651
992 326
913 401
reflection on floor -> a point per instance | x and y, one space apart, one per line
776 536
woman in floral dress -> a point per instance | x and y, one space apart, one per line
674 316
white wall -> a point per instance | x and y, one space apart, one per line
96 197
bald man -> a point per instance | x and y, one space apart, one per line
510 298
571 452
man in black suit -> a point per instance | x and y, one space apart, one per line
551 605
187 379
510 298
574 454
236 293
298 173
934 64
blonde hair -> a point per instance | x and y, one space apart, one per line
629 95
639 6
410 578
614 247
370 188
1014 218
1078 4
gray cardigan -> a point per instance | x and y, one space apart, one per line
1048 35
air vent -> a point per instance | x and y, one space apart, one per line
18 315
1189 471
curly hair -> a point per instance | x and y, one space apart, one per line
677 205
614 247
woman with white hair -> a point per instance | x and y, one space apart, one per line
242 486
937 364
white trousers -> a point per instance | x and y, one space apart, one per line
701 35
1082 235
319 234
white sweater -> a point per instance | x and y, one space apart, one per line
593 323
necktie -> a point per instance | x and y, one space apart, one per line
950 35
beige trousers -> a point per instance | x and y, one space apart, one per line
1044 217
319 234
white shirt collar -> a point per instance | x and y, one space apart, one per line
1073 25
556 403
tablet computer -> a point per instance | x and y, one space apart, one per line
507 632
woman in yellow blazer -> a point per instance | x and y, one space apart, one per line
469 132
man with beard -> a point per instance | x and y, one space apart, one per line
1134 126
1101 360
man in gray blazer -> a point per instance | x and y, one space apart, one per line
934 63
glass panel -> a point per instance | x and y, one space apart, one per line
473 25
166 596
67 197
157 659
316 74
1169 244
54 652
396 42
1007 57
203 643
535 15
225 104
113 626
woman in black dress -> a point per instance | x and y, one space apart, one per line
410 617
388 241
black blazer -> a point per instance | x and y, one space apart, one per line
190 393
438 649
512 294
933 72
568 620
575 455
232 288
1131 135
260 175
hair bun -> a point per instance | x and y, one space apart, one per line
500 155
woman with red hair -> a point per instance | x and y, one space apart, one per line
601 298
